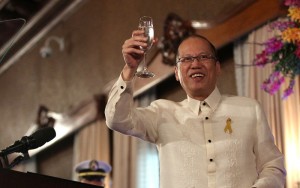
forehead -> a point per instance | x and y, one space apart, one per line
194 45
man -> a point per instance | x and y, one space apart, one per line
206 140
93 172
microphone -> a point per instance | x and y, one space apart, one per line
37 139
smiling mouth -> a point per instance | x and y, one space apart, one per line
198 75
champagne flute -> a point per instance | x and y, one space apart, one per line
146 24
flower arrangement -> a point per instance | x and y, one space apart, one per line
283 51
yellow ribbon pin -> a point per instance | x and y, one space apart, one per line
228 126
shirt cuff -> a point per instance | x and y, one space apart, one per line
125 85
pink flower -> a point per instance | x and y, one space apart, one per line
273 83
261 59
288 91
273 45
281 25
292 3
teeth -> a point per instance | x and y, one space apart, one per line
197 75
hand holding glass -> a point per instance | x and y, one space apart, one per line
146 24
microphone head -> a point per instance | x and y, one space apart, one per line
41 136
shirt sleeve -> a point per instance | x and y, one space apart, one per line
270 161
122 116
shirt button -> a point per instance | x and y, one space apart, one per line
206 118
122 87
204 104
209 141
211 160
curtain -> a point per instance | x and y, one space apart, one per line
282 115
135 161
147 157
92 140
249 79
124 158
291 124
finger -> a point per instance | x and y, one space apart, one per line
134 44
132 51
132 47
138 38
137 33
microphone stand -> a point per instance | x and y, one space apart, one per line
5 160
15 162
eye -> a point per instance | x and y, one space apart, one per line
204 57
188 59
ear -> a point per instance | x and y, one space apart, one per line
176 73
218 68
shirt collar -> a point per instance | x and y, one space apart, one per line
212 101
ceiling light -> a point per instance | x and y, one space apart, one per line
197 24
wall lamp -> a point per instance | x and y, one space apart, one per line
46 50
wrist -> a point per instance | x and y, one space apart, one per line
128 73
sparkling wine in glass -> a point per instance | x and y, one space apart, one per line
146 24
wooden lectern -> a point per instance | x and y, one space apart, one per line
16 179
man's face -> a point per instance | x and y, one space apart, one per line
199 76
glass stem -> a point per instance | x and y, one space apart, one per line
145 64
